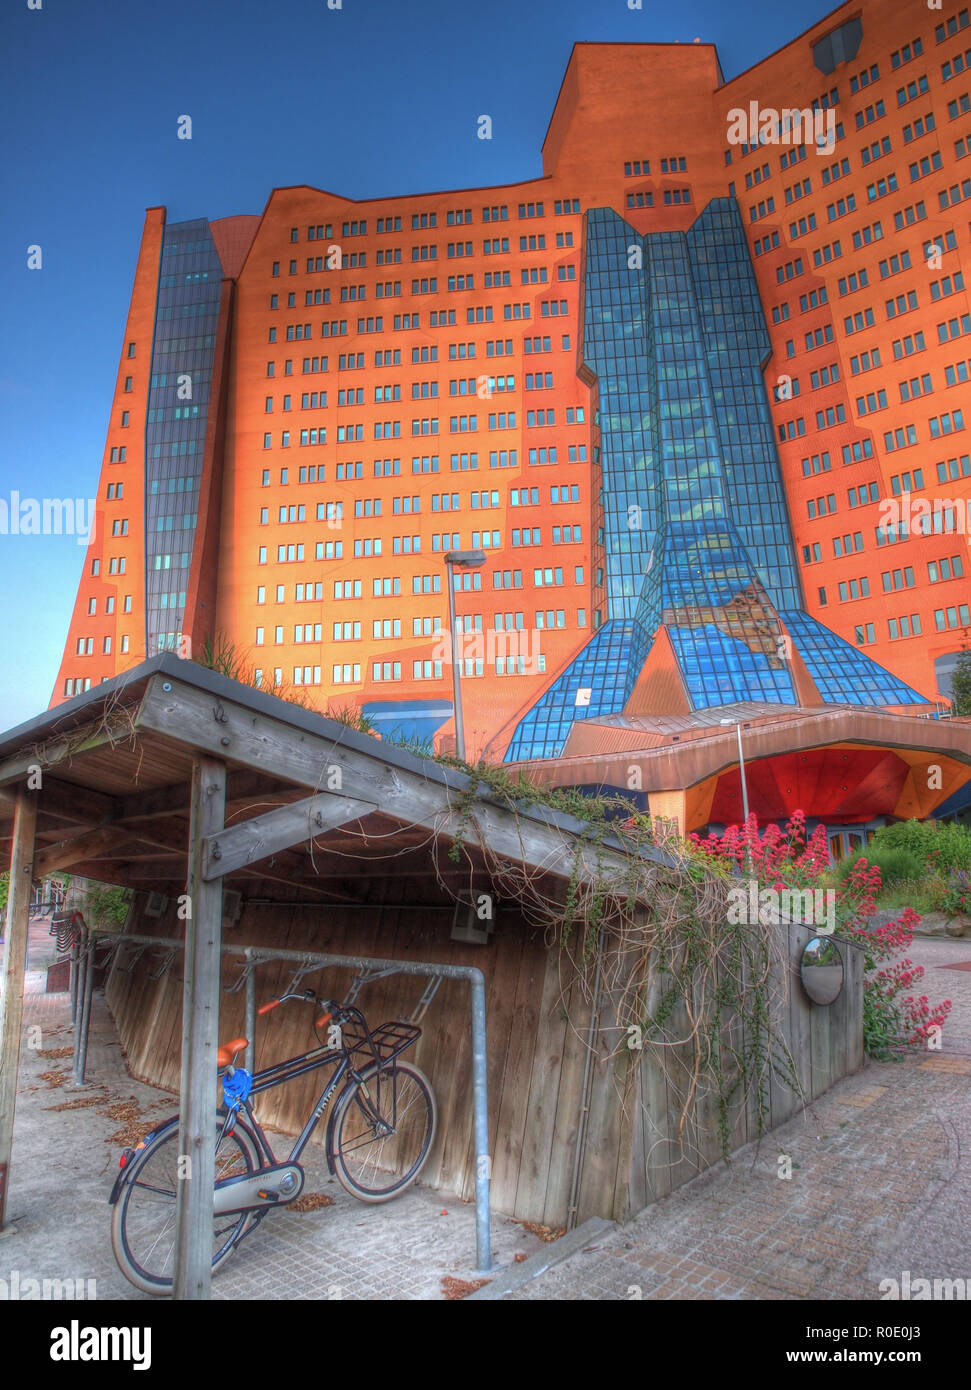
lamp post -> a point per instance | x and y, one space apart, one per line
741 768
469 560
741 764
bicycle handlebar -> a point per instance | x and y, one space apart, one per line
333 1009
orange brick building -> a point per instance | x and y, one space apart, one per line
698 393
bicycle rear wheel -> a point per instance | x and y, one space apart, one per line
143 1218
380 1141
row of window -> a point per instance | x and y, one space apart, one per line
421 221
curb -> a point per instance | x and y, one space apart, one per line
515 1276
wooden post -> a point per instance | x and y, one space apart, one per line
12 977
200 1040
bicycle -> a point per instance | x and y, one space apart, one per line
378 1138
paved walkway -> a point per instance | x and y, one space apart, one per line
881 1184
66 1159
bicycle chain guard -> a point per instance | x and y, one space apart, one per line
236 1088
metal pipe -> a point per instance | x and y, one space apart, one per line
480 1088
456 665
741 768
480 1108
73 986
250 1014
86 1012
78 988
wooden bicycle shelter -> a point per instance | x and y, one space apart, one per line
179 784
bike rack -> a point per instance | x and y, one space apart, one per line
368 969
165 959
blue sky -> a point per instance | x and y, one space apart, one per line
379 96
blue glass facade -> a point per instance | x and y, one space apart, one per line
697 536
178 406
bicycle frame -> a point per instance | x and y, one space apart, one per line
278 1075
282 1072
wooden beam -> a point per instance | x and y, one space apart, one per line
258 838
80 804
240 786
200 1041
261 741
103 730
12 976
84 845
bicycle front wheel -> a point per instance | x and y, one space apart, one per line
381 1140
143 1218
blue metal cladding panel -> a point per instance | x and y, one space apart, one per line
607 668
618 346
697 535
843 674
737 346
186 316
719 668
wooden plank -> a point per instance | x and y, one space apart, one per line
854 1024
638 1193
799 1012
520 1059
104 731
261 742
782 1098
840 1011
12 976
611 1078
200 1041
445 1055
74 849
544 1085
705 1136
251 840
568 1099
654 1104
680 1123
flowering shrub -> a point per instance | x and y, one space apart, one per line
892 1020
787 855
957 893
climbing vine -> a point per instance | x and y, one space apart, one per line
643 934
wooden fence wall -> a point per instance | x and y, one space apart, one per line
537 1021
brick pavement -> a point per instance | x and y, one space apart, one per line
881 1183
65 1162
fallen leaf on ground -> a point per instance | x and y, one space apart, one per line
79 1104
132 1124
54 1078
518 1259
55 1052
454 1289
311 1201
546 1233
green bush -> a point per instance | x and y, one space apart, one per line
950 847
896 864
106 907
942 845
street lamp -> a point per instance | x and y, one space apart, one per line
468 560
741 765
